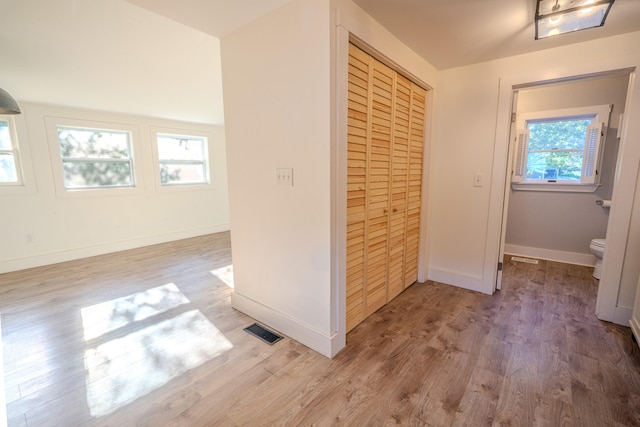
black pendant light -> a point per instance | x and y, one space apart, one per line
8 105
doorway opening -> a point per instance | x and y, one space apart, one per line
555 222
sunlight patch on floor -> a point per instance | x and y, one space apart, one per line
124 369
108 316
225 274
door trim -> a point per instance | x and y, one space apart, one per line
623 191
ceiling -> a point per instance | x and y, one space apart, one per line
214 17
162 57
446 33
109 55
452 33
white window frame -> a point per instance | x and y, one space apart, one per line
52 125
13 152
195 133
21 155
592 157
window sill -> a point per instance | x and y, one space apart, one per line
97 191
554 187
183 187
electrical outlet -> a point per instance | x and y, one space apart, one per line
478 180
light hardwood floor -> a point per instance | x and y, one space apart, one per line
154 354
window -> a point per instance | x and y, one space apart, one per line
182 159
95 158
92 158
10 173
560 150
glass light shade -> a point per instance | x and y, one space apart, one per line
8 105
555 17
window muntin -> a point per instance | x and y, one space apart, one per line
9 156
556 148
95 158
182 159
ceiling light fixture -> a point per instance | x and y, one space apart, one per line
565 16
8 105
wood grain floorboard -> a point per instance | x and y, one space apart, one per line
533 354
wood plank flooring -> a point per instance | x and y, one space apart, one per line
147 337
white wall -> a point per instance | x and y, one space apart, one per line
465 237
631 263
94 56
464 131
276 82
560 225
70 227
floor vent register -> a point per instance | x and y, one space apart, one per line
264 334
527 260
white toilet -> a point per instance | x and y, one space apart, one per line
597 249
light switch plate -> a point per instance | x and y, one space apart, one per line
478 180
284 177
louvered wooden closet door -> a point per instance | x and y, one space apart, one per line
381 199
399 186
414 195
378 178
358 115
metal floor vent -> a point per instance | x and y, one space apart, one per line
264 334
527 260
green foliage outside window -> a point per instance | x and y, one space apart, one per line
95 158
556 149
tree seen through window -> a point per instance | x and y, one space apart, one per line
93 158
556 149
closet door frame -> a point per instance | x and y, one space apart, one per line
339 180
343 38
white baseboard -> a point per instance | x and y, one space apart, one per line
551 255
635 328
72 254
326 345
465 281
